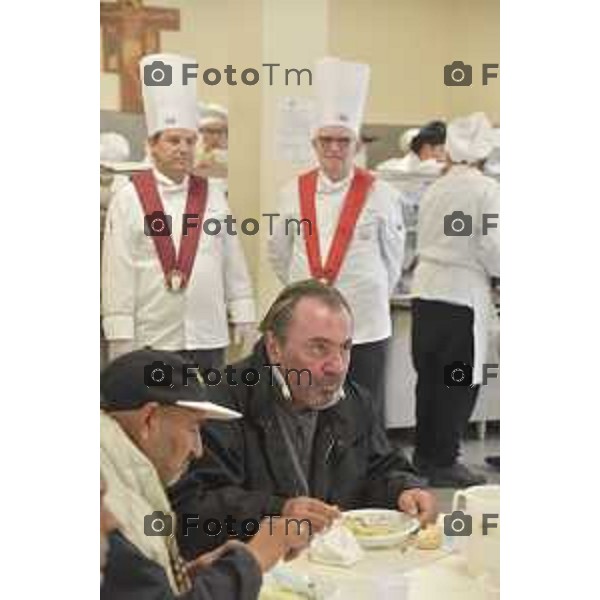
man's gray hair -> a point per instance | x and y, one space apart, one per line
280 313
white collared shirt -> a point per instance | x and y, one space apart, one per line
135 302
373 263
411 163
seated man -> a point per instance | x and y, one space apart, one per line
309 443
148 435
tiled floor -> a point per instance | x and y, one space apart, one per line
474 453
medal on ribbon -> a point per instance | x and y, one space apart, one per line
176 265
352 207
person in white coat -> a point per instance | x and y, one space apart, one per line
426 151
211 151
173 287
458 248
352 236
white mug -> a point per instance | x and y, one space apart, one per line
481 548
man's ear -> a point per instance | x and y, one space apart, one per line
148 419
273 347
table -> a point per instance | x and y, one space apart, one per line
386 574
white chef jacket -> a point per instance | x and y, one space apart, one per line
136 304
411 163
457 269
373 262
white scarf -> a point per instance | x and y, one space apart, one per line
134 490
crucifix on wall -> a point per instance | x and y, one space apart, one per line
130 31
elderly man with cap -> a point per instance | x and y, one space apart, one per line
458 247
352 234
310 443
148 436
172 277
211 152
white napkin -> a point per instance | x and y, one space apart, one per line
338 546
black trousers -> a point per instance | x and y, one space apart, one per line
205 359
442 333
367 368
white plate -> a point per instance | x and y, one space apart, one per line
281 583
400 526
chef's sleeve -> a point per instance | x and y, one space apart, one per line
118 280
392 235
239 294
281 235
489 241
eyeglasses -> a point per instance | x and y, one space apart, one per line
213 131
327 141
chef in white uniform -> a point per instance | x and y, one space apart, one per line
173 292
363 257
114 148
457 262
426 151
211 151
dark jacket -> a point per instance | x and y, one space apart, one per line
247 471
129 575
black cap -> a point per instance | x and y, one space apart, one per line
134 379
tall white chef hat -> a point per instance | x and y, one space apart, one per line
470 139
341 93
210 114
170 106
114 147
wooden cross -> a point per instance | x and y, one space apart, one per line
130 31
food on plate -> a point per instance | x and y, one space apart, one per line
281 583
429 538
370 525
278 592
378 527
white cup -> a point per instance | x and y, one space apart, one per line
481 549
